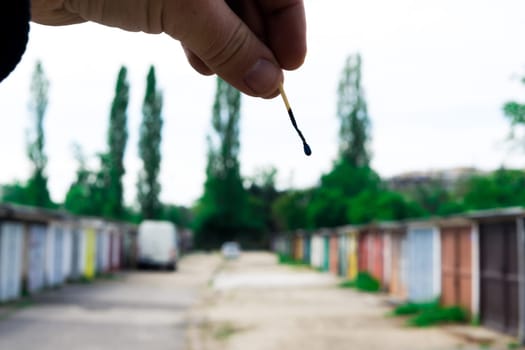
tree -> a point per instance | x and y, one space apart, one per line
223 211
14 193
515 112
354 131
100 192
178 215
37 191
88 194
381 205
78 198
502 188
117 139
262 194
351 173
149 150
290 209
331 199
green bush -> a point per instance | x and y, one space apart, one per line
364 281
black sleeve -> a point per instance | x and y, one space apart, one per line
14 30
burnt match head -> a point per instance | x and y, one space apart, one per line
306 147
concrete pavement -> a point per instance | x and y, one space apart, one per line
139 310
256 304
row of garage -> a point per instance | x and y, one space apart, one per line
476 261
44 249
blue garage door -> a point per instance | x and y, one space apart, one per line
423 277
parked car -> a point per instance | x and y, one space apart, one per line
231 250
157 244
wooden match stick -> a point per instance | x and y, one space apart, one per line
307 149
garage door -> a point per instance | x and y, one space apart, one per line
499 276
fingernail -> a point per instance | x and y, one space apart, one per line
263 77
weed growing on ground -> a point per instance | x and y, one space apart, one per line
14 306
84 280
287 260
430 313
225 330
414 308
431 316
475 321
364 282
347 284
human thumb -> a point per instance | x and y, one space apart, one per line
226 45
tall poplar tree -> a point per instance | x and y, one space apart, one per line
351 174
37 191
223 207
354 132
117 140
149 150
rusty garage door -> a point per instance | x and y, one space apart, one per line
499 276
456 267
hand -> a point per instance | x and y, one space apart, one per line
246 42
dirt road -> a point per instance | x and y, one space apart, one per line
255 304
140 310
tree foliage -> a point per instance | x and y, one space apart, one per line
15 193
351 173
502 188
178 215
224 212
37 191
149 150
515 112
435 197
263 194
117 140
382 205
99 192
354 130
290 210
87 195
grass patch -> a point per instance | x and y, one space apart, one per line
288 260
13 306
414 308
438 315
224 331
475 321
513 345
347 284
364 282
84 280
109 276
430 313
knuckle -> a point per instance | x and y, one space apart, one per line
224 50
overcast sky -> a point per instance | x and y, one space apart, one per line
436 74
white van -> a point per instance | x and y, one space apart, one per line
157 244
